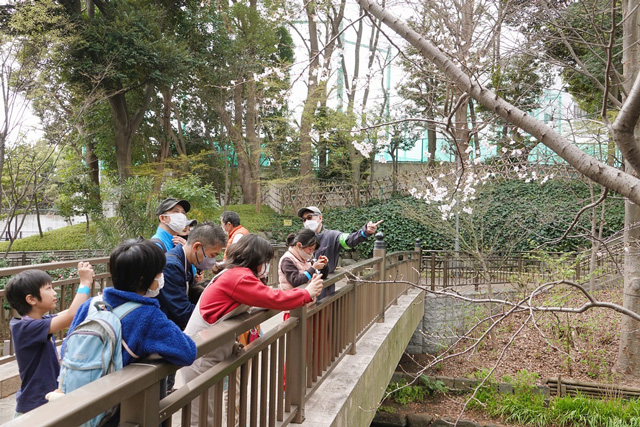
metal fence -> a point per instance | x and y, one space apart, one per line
306 347
444 269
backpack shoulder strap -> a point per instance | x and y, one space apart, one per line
121 311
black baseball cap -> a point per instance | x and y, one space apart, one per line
169 203
312 209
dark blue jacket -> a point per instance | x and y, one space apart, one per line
146 330
174 297
331 241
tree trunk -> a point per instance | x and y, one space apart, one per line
432 139
253 144
629 351
310 104
125 128
94 172
37 206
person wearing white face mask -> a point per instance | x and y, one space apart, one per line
230 293
173 219
203 245
330 242
296 267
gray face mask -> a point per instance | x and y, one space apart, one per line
206 263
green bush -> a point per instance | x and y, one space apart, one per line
404 393
539 213
67 238
527 406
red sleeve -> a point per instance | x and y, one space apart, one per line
240 286
251 291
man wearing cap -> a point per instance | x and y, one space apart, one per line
330 241
173 219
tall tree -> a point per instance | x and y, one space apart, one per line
624 131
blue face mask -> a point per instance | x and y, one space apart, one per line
206 263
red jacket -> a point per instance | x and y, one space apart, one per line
240 286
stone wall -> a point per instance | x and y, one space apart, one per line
445 319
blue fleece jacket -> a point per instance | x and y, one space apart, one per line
146 330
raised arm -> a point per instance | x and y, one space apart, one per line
64 318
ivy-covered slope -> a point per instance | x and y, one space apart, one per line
507 216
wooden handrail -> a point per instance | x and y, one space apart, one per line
321 328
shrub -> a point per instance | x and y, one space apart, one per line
264 221
67 238
404 394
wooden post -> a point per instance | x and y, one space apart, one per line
297 365
445 272
143 408
417 266
379 250
433 271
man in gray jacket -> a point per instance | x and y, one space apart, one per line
331 241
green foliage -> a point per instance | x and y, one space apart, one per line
527 406
67 238
202 197
264 221
432 386
404 393
135 204
77 194
542 213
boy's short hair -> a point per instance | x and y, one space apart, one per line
22 284
134 264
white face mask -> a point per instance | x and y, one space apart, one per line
263 270
152 293
311 224
303 255
178 221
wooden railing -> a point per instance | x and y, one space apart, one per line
27 257
65 281
306 347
